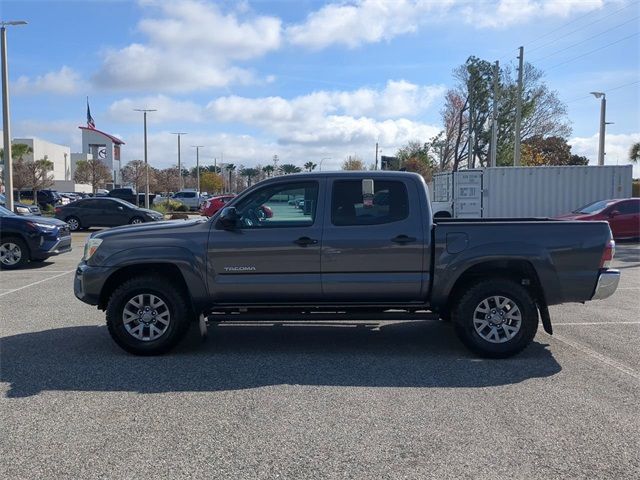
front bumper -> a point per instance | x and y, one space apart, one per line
607 284
89 281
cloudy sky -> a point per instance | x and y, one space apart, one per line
305 79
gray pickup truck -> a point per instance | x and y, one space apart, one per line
354 245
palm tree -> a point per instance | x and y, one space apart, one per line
268 170
230 168
249 173
288 168
634 152
310 166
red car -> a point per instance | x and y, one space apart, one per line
623 215
212 205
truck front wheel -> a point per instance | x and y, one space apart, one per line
147 316
495 318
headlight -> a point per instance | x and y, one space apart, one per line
91 247
43 226
22 210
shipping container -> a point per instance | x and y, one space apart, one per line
499 192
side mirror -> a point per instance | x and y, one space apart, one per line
228 218
614 213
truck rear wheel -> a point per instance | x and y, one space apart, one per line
495 318
147 316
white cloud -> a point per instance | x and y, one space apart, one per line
168 109
65 81
506 13
357 22
616 149
338 121
190 45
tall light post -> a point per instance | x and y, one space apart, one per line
322 160
8 166
603 123
198 147
146 163
179 166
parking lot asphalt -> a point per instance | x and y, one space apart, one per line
350 400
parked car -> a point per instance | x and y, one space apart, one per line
129 194
214 204
190 198
623 215
45 197
21 208
348 259
24 239
104 212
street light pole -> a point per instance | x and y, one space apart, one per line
179 166
8 165
323 159
146 163
603 123
198 147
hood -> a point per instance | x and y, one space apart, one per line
152 227
45 220
148 211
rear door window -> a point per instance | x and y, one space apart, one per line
349 206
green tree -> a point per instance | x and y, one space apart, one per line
92 172
249 173
268 170
634 152
538 150
289 168
18 152
210 182
310 166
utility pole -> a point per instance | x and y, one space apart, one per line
494 115
470 161
198 147
179 164
603 123
8 165
516 148
376 155
146 163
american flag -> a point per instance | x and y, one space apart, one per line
90 122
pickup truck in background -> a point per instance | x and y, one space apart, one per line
364 246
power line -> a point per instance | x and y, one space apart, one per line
592 51
584 97
585 40
562 26
582 27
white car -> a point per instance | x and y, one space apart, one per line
190 198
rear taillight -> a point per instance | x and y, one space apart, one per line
58 209
607 254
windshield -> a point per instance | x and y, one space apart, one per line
128 204
594 207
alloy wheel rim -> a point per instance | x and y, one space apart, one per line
135 221
497 319
73 224
10 254
146 317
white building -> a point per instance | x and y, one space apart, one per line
103 147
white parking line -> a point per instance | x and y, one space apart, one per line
595 323
598 356
36 283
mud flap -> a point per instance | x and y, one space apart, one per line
546 318
202 323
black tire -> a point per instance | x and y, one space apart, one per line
464 312
18 247
74 223
180 315
136 220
